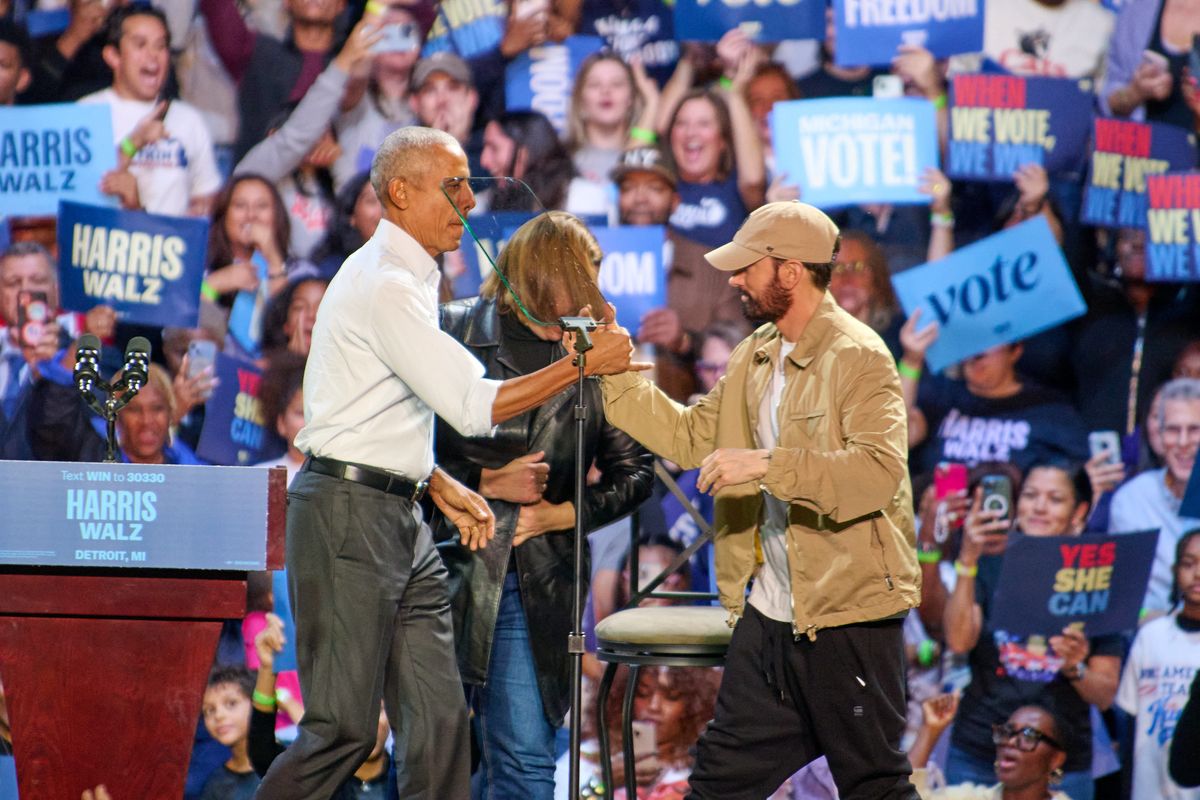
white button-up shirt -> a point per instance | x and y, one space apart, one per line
380 367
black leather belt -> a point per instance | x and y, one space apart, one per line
374 478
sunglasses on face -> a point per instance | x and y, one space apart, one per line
1027 737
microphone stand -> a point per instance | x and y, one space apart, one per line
580 326
118 394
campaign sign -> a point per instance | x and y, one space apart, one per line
869 31
54 152
467 28
285 659
1173 227
998 290
1125 153
233 432
999 123
855 150
632 276
134 516
1050 582
246 316
542 77
762 20
147 267
469 266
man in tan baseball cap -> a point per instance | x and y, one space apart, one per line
805 445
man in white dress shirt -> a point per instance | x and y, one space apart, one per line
367 587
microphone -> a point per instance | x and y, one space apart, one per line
87 364
137 364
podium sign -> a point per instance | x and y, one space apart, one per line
130 515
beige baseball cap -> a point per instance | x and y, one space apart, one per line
787 229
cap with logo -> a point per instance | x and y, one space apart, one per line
788 230
644 158
443 61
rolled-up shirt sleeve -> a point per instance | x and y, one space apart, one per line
434 366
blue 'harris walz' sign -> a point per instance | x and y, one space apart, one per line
1124 155
54 152
1002 289
147 267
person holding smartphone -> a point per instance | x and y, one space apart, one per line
1151 48
1064 670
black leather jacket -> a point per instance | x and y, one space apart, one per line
545 563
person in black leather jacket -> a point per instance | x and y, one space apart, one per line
511 602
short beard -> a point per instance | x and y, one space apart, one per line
774 303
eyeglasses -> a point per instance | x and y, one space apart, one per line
1027 737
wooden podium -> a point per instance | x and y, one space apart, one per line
114 582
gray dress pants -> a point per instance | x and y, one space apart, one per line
372 610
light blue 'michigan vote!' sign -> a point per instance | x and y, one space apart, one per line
54 152
1002 289
855 150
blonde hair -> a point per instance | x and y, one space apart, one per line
550 259
576 129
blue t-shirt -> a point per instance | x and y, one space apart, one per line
642 28
709 213
1033 426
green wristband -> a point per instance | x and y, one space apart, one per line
908 372
926 651
644 135
128 147
725 82
929 556
263 699
208 292
939 102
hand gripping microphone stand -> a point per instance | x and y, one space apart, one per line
580 326
88 380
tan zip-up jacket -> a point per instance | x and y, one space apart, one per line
841 463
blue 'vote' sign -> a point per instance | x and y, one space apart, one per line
1002 289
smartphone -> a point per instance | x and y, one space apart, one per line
202 354
997 495
645 744
949 478
398 37
1194 57
887 86
1156 58
1106 442
33 313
